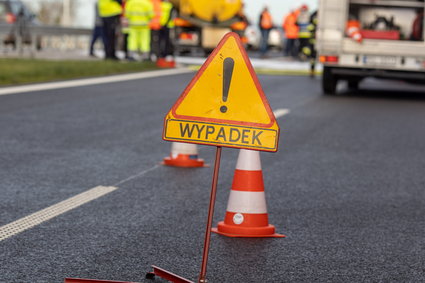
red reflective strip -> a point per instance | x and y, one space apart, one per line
245 180
334 59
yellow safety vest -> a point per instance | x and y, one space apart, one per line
109 8
139 12
166 20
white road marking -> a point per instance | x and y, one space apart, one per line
281 112
92 81
50 212
137 175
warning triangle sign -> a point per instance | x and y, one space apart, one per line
225 91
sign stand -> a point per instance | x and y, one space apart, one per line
223 105
202 276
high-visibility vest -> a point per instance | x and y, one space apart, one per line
290 26
139 12
109 8
266 20
155 21
166 19
304 32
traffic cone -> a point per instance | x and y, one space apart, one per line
353 30
167 62
184 155
246 214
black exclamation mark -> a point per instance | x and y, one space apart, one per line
228 65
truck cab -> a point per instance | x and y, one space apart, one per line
390 43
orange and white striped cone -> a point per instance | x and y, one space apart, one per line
353 30
184 155
246 214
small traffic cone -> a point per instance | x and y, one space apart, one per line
167 62
246 214
353 30
184 155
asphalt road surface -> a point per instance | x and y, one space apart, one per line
347 186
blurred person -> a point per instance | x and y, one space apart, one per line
139 14
303 21
291 33
310 51
110 11
242 21
265 24
167 23
242 16
125 30
97 31
155 26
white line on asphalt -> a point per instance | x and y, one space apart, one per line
137 175
92 81
50 212
281 112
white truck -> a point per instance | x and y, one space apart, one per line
387 50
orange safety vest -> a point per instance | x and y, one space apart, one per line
155 22
290 26
266 20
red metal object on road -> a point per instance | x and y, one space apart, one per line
166 275
80 280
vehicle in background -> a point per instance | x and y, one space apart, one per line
200 24
16 15
381 45
253 38
276 39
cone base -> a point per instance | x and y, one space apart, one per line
184 162
162 63
246 232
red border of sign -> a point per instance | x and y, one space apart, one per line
253 76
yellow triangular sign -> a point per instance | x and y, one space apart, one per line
224 104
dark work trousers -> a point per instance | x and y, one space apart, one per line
304 42
264 43
290 47
155 41
125 45
110 25
165 45
97 32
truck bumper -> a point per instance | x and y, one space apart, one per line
346 72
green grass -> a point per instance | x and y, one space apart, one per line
24 71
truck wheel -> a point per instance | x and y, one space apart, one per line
329 81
